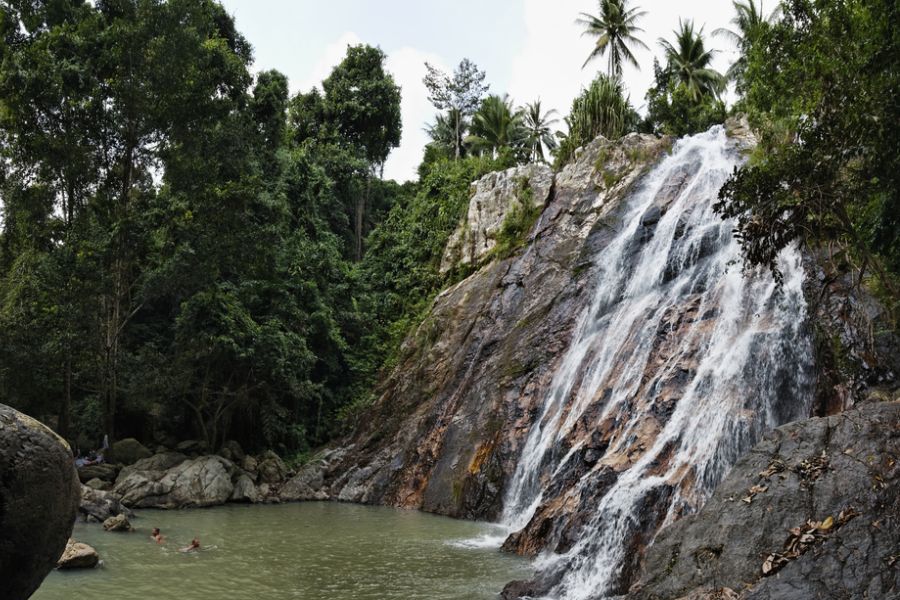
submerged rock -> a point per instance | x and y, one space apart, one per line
78 556
38 502
812 512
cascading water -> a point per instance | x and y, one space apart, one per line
679 359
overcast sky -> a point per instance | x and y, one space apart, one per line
530 48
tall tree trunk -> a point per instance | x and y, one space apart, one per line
64 410
361 202
456 142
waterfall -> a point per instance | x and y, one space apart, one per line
681 362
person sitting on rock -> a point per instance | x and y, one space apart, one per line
195 545
156 536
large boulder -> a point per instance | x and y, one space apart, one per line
232 451
198 482
128 451
78 556
39 493
103 472
811 512
271 468
99 505
244 490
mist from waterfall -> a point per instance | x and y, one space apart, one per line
746 346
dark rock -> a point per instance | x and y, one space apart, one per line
128 451
191 447
38 502
271 468
103 472
845 468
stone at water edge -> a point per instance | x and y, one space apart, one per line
78 556
39 494
117 523
100 505
128 451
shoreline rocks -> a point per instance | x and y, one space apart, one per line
78 556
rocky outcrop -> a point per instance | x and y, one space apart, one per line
446 431
495 197
198 482
38 502
99 505
104 472
811 512
78 556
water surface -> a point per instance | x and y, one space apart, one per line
292 551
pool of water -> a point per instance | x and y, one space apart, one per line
290 552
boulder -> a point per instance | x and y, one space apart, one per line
271 468
99 484
250 465
103 472
78 556
305 485
128 451
812 512
234 449
244 490
39 492
100 505
118 523
198 482
191 447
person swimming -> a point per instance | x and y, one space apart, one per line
156 536
195 546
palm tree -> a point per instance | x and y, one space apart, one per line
496 125
689 62
614 30
747 23
538 133
448 132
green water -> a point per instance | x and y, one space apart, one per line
292 551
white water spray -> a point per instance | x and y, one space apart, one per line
740 359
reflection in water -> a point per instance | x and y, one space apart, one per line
295 551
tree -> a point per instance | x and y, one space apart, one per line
827 171
689 62
496 127
601 109
538 133
446 133
747 25
672 110
362 101
460 95
614 30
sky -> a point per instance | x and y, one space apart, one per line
530 49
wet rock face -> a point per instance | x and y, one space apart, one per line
447 430
494 197
812 512
34 463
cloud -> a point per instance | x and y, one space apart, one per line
407 65
330 57
549 64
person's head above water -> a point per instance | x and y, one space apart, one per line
155 532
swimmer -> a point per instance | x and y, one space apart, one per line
156 536
195 545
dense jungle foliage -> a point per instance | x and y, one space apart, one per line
188 250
